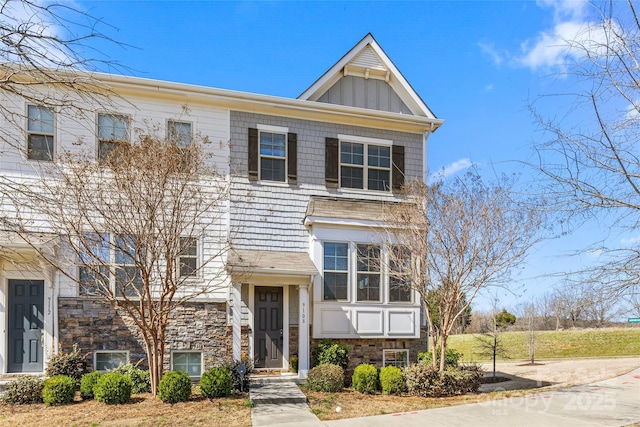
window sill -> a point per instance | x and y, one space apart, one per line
365 192
275 184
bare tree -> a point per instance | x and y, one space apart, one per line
592 157
130 227
463 236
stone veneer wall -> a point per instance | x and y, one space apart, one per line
293 340
369 350
95 325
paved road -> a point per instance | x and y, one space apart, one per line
612 402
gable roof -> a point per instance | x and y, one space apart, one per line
367 59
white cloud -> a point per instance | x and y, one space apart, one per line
451 169
488 87
490 50
630 241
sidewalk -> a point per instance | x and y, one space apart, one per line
279 401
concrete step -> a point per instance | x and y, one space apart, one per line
271 391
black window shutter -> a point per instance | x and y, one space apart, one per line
331 163
397 173
253 154
292 158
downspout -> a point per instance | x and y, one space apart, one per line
56 292
425 138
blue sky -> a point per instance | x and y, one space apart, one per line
478 65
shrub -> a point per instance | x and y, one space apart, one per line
140 378
174 387
23 391
423 380
328 352
293 363
59 390
216 382
72 364
327 377
391 380
239 382
113 388
451 357
87 384
365 378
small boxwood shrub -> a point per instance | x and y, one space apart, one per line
391 380
216 382
365 378
87 384
174 387
327 377
24 390
140 378
59 390
328 352
451 357
113 388
72 364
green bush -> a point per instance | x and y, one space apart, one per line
140 378
423 380
451 357
58 390
87 384
24 390
293 363
327 377
239 382
216 382
391 380
365 378
174 387
328 352
72 364
113 388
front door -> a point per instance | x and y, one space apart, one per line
26 320
268 327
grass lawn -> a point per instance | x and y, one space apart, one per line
556 344
143 410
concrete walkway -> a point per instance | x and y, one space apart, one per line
612 402
278 401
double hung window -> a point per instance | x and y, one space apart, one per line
365 166
336 271
40 133
273 156
368 274
113 130
179 133
399 274
188 258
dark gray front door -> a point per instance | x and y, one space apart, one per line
268 327
26 320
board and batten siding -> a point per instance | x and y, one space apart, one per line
269 216
374 94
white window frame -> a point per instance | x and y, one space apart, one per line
394 350
381 273
196 272
41 133
388 275
366 143
347 272
279 130
96 352
112 263
111 140
200 352
171 123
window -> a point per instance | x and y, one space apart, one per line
273 154
336 266
188 258
179 133
368 273
365 166
395 357
40 131
109 360
399 274
188 361
108 261
113 130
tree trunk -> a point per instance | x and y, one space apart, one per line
443 351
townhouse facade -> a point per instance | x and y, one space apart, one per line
308 177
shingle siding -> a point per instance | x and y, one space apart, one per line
269 216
